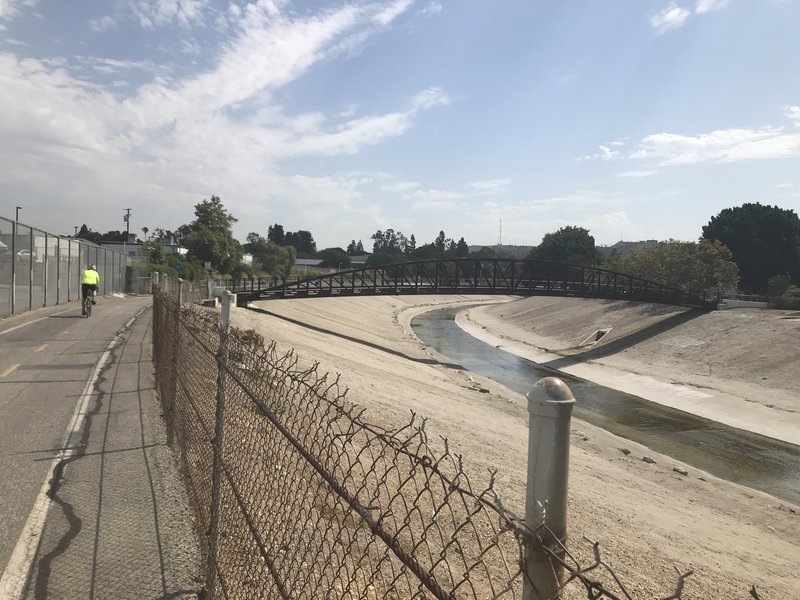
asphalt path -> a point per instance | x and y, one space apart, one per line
81 442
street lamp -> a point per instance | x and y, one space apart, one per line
19 208
76 230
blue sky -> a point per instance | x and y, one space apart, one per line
637 119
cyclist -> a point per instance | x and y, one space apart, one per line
90 279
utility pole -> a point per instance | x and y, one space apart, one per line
19 208
127 219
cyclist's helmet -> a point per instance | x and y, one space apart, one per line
93 267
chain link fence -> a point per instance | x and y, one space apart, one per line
298 495
40 269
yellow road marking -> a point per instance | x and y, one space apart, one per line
42 347
9 370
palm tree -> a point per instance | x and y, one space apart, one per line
145 230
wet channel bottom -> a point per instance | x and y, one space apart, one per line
732 454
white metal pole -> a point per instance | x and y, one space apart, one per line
550 405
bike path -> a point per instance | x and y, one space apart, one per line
91 503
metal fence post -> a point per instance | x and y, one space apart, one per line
550 405
30 270
228 299
14 268
176 365
46 260
58 270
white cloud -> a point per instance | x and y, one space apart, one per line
103 23
793 112
606 153
191 46
704 6
12 8
637 174
157 13
349 137
492 186
722 146
392 11
671 17
431 98
216 132
433 8
108 66
400 186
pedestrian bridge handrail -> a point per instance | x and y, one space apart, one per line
474 276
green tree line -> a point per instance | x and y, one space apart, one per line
753 248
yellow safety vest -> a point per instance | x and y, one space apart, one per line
90 277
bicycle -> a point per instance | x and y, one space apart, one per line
87 304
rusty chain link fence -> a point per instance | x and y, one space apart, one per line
297 495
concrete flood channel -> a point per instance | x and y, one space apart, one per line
732 454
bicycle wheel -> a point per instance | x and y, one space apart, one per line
87 306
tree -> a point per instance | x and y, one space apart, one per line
269 257
210 236
484 252
114 236
388 242
428 252
411 245
154 251
213 215
253 242
462 249
778 285
303 242
87 234
334 258
145 230
569 244
764 241
439 242
703 265
354 249
275 234
166 236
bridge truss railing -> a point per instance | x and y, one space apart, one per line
479 276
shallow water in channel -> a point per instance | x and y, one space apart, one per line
736 455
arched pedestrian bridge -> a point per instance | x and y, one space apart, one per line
473 276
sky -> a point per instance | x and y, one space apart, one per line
492 120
